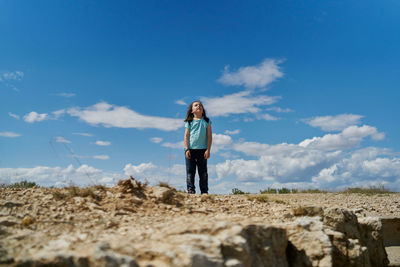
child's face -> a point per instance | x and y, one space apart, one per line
197 108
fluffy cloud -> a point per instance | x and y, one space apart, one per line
283 162
321 162
102 143
9 134
220 141
334 123
365 167
237 103
34 117
139 170
122 117
348 138
177 145
301 167
58 176
253 76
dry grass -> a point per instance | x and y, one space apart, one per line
373 190
258 198
75 191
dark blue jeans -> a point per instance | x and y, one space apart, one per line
197 159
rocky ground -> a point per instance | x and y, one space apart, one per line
132 224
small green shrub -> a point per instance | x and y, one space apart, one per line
284 190
372 190
22 184
237 191
313 191
269 190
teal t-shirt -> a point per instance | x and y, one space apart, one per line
198 133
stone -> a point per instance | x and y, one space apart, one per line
27 220
308 245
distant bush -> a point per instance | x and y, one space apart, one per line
372 190
237 191
269 190
313 191
284 190
22 184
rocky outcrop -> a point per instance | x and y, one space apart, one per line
132 224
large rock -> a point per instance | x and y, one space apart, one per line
136 225
309 245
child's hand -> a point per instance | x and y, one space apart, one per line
187 154
207 154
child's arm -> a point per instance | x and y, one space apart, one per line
186 142
209 142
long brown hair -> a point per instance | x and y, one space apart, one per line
189 114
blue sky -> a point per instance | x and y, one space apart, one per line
301 94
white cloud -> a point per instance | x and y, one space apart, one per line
34 116
15 75
363 168
139 170
58 176
178 170
266 117
177 145
15 116
280 110
181 102
58 113
253 76
103 143
348 138
102 157
334 123
237 103
122 117
232 132
220 141
156 140
9 134
60 139
83 134
303 167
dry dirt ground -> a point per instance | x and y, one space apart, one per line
38 222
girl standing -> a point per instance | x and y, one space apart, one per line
198 140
